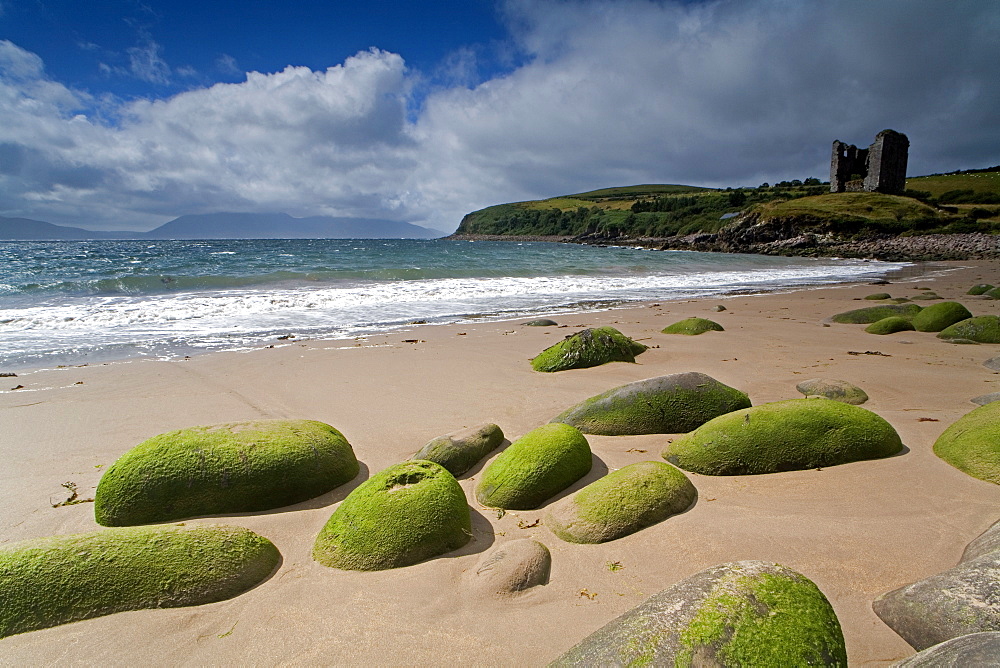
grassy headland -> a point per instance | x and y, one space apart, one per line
741 219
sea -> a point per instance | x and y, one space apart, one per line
82 302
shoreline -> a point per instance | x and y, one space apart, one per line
793 243
290 338
857 530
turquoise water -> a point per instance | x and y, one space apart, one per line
74 302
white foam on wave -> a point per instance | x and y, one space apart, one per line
232 318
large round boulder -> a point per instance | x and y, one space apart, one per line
535 467
986 542
669 404
621 503
981 329
975 649
235 467
50 581
959 601
830 388
972 443
890 325
747 613
939 316
692 327
591 347
460 450
512 568
407 513
788 435
870 314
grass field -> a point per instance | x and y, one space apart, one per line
939 184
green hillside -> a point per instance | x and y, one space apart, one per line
958 202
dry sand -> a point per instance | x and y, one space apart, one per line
857 530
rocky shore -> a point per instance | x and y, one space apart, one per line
788 237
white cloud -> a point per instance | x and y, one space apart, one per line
614 92
146 62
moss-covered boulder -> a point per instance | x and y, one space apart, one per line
927 296
50 581
512 568
460 450
788 435
407 513
939 316
746 613
878 296
972 443
831 388
890 325
541 322
870 314
980 289
956 602
535 467
692 327
235 467
993 293
591 347
981 329
621 503
669 404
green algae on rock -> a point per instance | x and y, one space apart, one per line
590 347
460 450
981 329
830 388
972 443
226 468
890 325
623 502
747 613
980 289
870 314
788 435
939 316
50 581
692 327
669 404
409 512
535 467
878 296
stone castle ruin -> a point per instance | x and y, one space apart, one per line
879 168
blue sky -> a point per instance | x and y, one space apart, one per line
154 48
124 114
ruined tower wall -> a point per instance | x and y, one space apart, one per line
879 168
887 163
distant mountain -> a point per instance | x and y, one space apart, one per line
27 229
283 226
229 226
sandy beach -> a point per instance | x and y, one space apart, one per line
857 530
